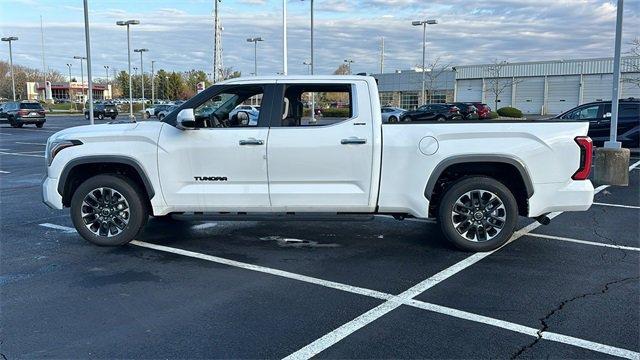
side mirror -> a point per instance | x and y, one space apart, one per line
243 118
607 115
186 120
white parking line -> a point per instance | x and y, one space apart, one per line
19 154
58 227
617 205
4 172
552 237
30 143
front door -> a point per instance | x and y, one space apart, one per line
221 165
321 163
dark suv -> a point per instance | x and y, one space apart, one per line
433 112
467 110
18 113
598 113
101 111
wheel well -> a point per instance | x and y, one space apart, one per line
80 173
506 173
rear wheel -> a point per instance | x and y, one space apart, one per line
39 125
478 214
107 210
113 117
441 118
393 119
160 117
100 116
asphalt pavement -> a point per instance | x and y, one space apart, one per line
330 289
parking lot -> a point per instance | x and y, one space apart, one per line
333 289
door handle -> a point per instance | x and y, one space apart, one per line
353 141
251 142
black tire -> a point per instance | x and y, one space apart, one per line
130 191
86 116
100 117
393 119
160 117
441 118
407 119
113 117
19 125
484 185
39 125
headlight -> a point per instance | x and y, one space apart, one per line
55 146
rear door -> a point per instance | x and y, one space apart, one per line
322 164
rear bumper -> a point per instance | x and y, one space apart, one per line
571 196
30 120
50 195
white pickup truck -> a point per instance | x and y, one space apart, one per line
474 177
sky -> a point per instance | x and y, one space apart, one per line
179 33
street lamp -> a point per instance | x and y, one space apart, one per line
153 81
106 71
308 63
127 23
349 62
81 58
255 53
141 74
424 24
13 81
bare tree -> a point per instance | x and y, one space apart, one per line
497 82
433 72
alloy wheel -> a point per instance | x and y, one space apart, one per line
105 212
478 215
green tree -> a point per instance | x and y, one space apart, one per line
162 84
191 79
122 83
175 86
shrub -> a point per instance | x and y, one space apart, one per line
335 112
493 115
510 112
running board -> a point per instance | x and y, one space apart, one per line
242 216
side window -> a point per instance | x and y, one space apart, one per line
629 110
222 110
588 112
331 104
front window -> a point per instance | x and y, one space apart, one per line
222 110
588 112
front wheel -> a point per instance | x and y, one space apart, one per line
478 214
113 117
160 117
100 117
107 210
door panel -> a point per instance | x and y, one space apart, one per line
323 168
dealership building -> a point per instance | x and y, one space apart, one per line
72 91
544 87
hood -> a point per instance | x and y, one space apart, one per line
113 131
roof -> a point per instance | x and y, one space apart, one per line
255 79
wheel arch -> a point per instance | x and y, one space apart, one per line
80 169
501 167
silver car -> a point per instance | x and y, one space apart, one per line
391 114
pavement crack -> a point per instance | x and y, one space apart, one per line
606 238
543 320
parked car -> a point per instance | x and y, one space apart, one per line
476 183
252 111
153 111
391 114
18 113
484 110
166 111
598 113
467 110
101 111
433 112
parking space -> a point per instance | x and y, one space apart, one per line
351 289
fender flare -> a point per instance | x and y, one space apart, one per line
461 159
105 159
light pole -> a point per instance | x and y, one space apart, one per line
313 95
71 100
81 58
255 40
424 24
13 81
87 40
153 84
142 75
308 63
349 62
106 71
311 63
127 23
284 38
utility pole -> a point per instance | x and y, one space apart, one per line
44 67
382 56
153 86
13 81
284 38
106 71
217 42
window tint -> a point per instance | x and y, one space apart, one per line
31 106
331 104
630 110
221 111
588 112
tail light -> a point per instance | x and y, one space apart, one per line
23 112
586 158
40 112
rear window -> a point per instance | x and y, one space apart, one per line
30 106
110 106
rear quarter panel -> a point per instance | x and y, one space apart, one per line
546 149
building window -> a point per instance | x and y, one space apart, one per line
386 99
437 97
409 100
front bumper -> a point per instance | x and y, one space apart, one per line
50 194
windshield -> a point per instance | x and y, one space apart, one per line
34 106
